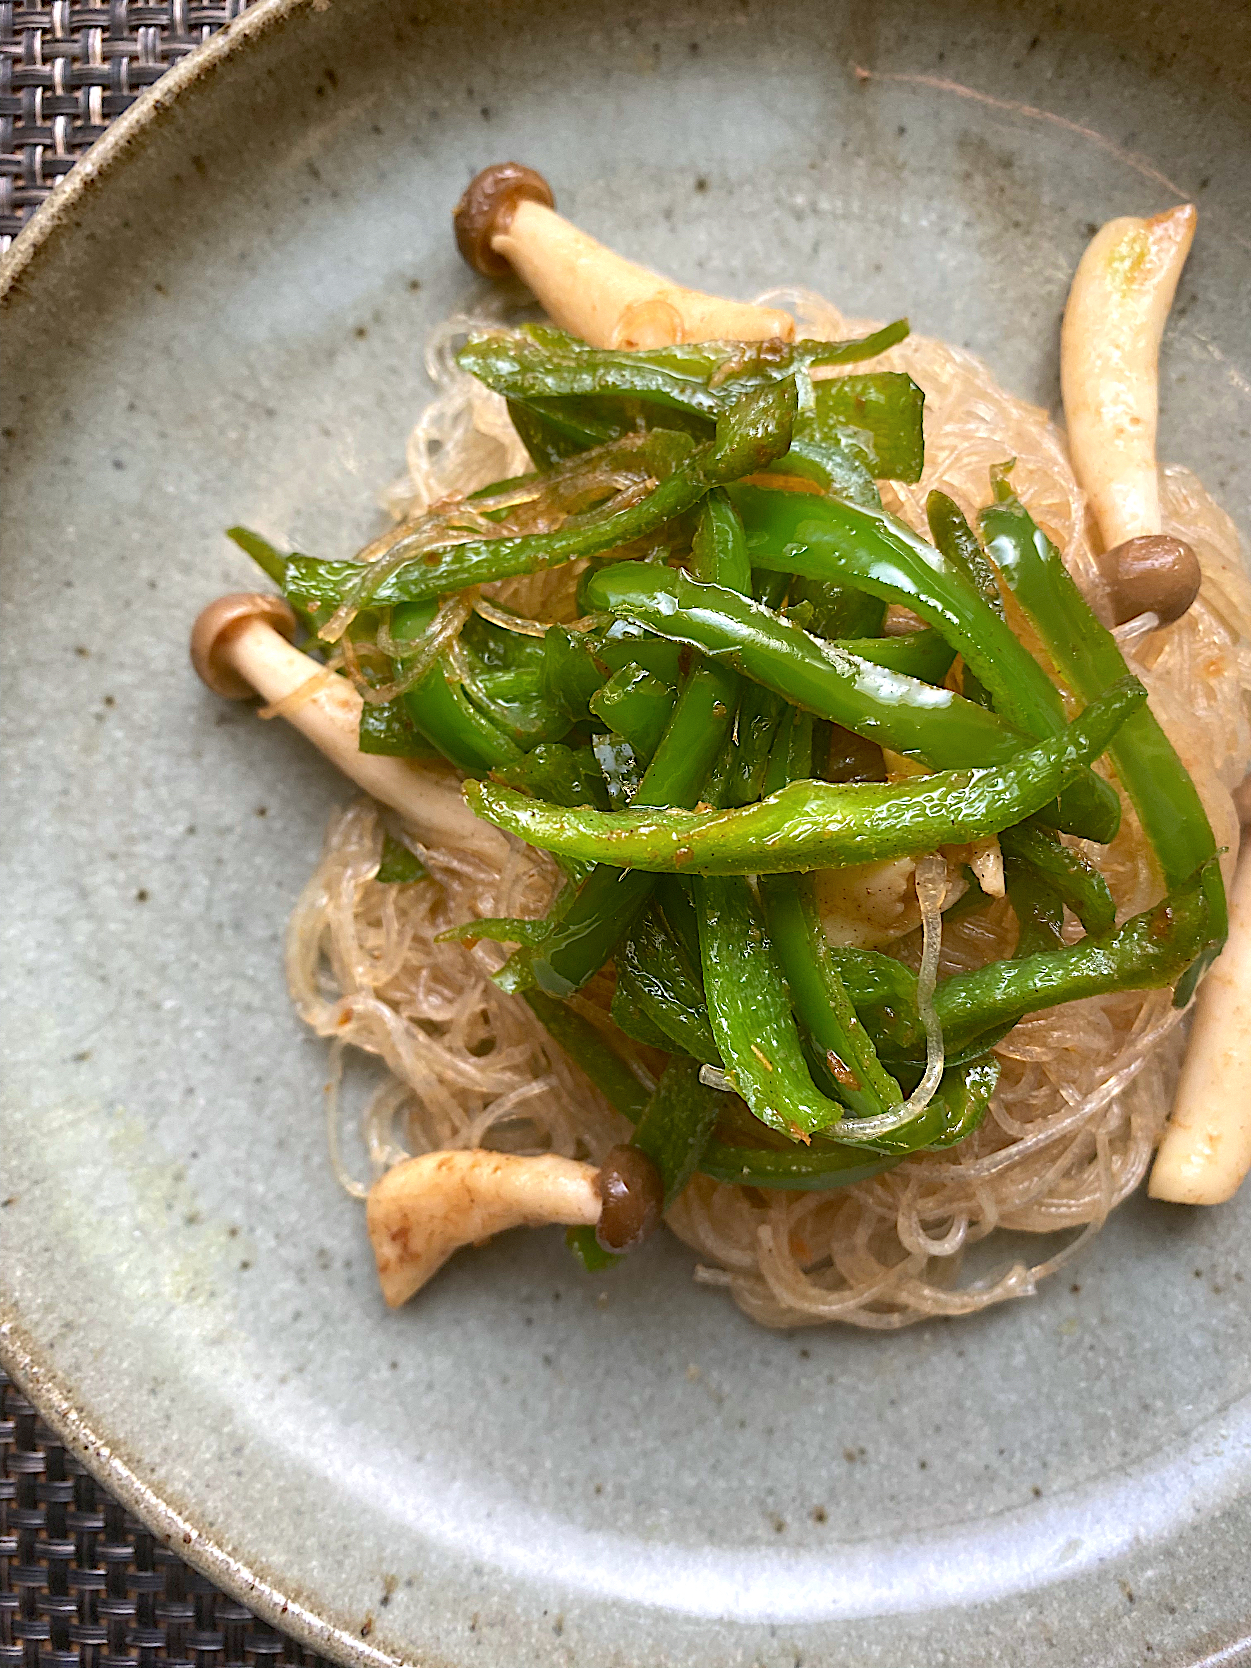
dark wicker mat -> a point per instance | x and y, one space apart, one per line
83 1585
70 67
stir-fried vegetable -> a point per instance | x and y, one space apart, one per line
832 540
1086 656
812 825
710 729
862 685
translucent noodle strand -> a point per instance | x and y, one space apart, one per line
1084 1090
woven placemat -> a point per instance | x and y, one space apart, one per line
68 69
83 1585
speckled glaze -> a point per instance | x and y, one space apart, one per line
221 318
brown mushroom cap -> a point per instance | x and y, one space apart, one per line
218 623
633 1195
487 207
1152 574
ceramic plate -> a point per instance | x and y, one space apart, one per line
222 319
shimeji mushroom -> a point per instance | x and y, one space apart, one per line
1206 1150
506 220
240 646
1109 373
1109 367
425 1208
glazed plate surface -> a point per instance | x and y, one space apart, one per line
223 321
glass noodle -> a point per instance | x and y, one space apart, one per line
1084 1090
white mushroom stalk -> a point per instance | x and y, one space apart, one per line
238 652
1109 371
1109 365
1206 1150
506 219
425 1208
611 302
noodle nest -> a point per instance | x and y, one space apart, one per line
1084 1090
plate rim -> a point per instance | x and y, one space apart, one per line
33 1377
54 215
41 1386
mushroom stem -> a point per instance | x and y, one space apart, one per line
251 653
1206 1150
585 288
425 1208
611 302
1109 365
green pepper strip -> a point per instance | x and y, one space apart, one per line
959 544
959 1106
875 980
876 417
592 1054
630 1015
497 929
730 935
884 993
817 993
399 866
553 430
388 729
820 998
838 611
665 989
636 704
1038 908
569 673
719 548
567 775
760 712
813 1169
588 1251
813 825
539 362
624 643
314 583
750 434
922 655
610 901
750 1011
832 466
790 759
674 1130
441 711
1086 656
1147 952
897 711
825 538
1074 881
272 562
